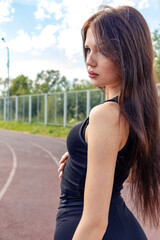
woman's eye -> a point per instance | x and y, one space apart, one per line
87 50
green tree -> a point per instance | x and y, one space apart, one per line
63 84
81 84
156 44
4 86
20 85
50 81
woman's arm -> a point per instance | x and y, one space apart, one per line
103 145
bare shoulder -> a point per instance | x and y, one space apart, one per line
105 113
106 118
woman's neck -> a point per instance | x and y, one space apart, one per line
111 92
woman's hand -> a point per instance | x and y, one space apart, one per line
62 162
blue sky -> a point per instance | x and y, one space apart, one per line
44 34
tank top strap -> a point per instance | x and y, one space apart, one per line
115 99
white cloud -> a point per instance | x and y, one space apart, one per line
140 4
6 10
12 10
78 72
2 34
70 40
66 37
75 14
46 8
24 43
39 27
40 14
116 3
35 53
143 4
37 65
46 38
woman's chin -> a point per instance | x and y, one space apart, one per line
96 84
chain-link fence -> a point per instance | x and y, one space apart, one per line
61 108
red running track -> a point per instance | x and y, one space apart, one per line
29 187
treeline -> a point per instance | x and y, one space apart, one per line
51 81
156 45
48 81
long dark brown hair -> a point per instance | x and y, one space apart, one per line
123 36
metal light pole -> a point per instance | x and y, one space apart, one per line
8 73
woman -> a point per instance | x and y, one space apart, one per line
119 136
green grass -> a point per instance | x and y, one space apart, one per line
52 131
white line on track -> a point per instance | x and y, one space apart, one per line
12 173
46 150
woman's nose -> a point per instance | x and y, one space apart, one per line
91 60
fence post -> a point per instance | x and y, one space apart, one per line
76 106
23 110
45 108
4 112
16 108
30 109
55 107
88 103
102 96
38 109
10 109
158 88
65 110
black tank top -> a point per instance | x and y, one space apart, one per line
74 171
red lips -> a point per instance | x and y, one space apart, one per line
92 74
